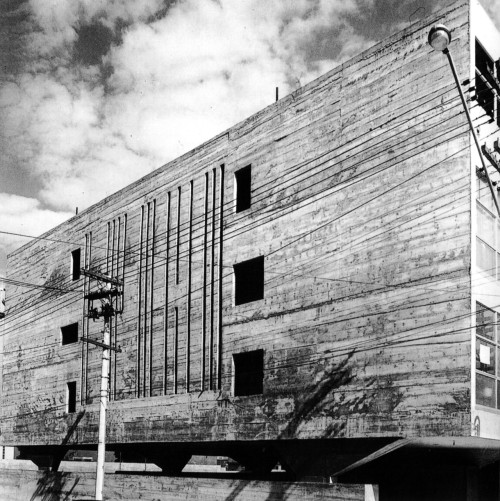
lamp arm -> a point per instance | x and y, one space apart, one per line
476 140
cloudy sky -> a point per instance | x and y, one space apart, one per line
97 93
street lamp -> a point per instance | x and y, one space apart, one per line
439 39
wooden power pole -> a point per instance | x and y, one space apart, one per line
107 289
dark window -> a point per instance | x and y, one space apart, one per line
71 397
249 280
498 109
485 95
248 373
75 264
484 63
69 334
487 83
243 180
487 357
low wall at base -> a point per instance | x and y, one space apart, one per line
29 485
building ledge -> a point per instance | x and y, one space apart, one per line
423 453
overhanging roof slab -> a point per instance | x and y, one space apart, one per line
406 456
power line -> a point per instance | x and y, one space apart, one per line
278 249
298 167
356 207
101 247
356 347
59 240
371 284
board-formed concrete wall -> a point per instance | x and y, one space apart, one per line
23 485
360 186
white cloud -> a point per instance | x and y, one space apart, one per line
176 82
22 215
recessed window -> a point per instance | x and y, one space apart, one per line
248 373
71 397
69 334
487 85
75 264
243 188
249 280
485 95
487 357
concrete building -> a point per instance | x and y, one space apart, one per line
316 286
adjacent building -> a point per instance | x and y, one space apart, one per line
316 286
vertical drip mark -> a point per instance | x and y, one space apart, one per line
190 248
165 321
204 292
121 274
113 238
122 297
112 327
108 236
145 316
219 320
118 236
110 369
116 306
176 345
178 234
151 306
212 287
89 260
139 296
84 324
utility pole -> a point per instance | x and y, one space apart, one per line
107 289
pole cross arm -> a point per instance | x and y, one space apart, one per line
102 294
102 345
97 275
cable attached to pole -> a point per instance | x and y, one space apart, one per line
471 125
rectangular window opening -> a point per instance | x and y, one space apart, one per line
248 373
487 86
69 334
243 188
498 110
249 281
484 62
487 358
71 397
485 95
75 264
483 193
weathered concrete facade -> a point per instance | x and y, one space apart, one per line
359 226
35 485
